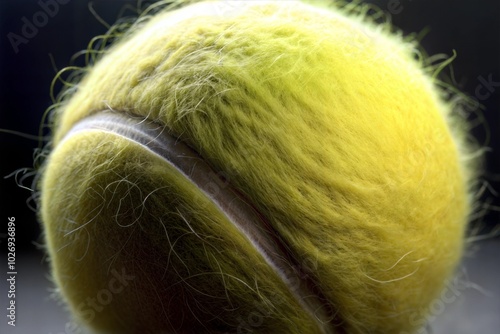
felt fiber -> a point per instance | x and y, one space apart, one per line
327 125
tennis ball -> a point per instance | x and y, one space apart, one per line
255 167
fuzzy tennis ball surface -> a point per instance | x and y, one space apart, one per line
255 167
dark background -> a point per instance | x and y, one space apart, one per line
472 28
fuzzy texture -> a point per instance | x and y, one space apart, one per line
326 123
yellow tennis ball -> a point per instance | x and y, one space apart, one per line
255 167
